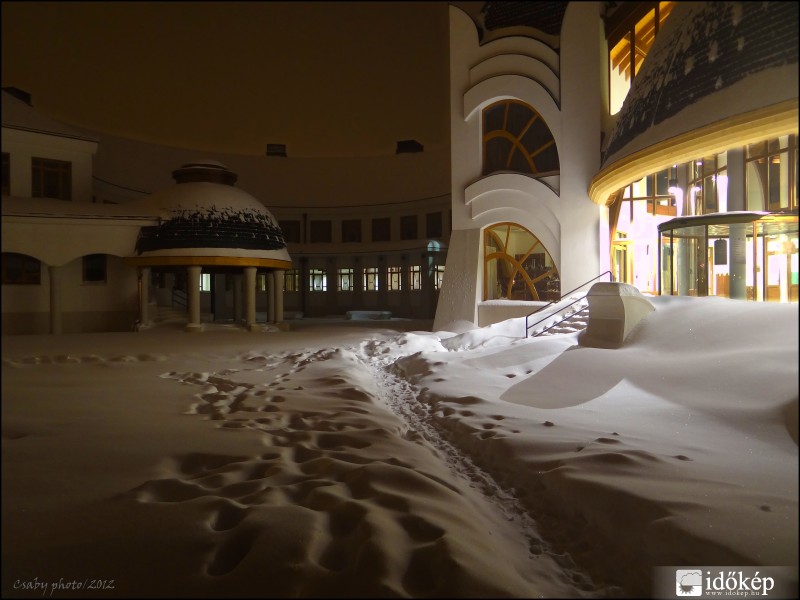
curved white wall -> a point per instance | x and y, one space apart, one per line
565 87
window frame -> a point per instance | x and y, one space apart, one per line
521 132
394 278
371 279
320 231
345 279
291 280
60 171
88 270
409 227
382 229
415 277
434 226
766 152
438 277
317 280
30 269
646 17
351 230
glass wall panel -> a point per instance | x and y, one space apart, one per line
738 259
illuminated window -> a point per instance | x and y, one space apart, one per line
371 279
94 268
415 277
517 266
708 185
516 138
772 174
642 206
291 281
438 276
653 191
20 269
317 280
630 41
395 278
346 280
51 178
205 282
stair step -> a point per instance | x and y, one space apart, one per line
170 313
576 321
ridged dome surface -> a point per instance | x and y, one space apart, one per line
711 61
208 218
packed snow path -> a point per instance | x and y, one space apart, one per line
401 397
352 453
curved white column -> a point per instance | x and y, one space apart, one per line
193 294
279 278
250 297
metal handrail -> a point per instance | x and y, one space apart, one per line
179 299
541 308
549 327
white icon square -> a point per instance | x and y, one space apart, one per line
688 582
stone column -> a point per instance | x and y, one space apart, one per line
250 298
278 296
55 299
237 298
737 240
270 297
193 297
144 295
358 283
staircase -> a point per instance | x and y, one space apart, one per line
575 318
170 313
177 312
570 318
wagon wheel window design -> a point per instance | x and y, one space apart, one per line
517 266
516 138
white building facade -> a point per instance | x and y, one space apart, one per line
561 175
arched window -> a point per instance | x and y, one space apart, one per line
517 266
516 138
21 269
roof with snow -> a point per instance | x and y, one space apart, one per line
203 213
711 60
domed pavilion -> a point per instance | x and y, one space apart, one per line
212 236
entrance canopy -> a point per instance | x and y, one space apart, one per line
745 255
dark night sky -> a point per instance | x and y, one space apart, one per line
324 78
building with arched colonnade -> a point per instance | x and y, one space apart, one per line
648 143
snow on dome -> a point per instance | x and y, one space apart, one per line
208 212
697 73
205 162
